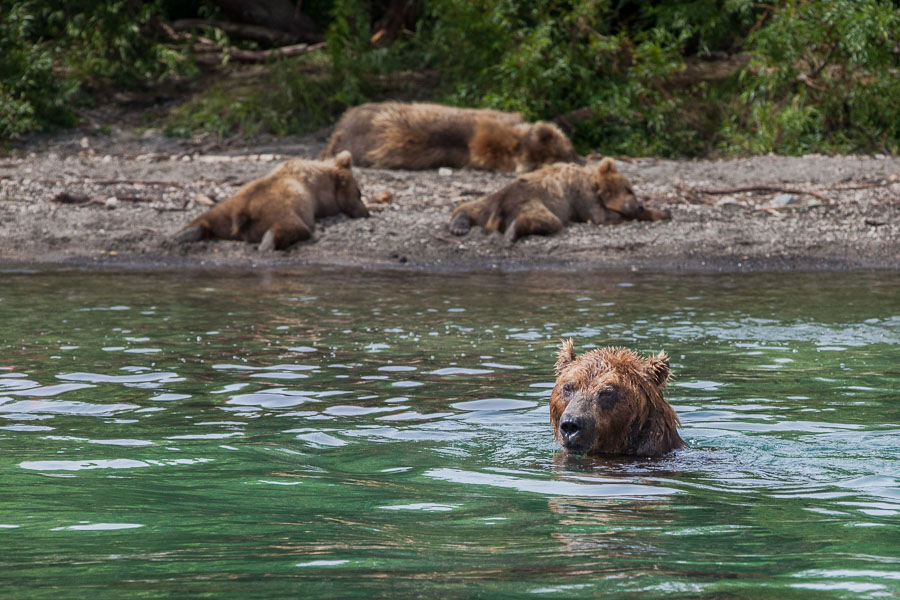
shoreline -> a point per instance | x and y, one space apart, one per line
137 190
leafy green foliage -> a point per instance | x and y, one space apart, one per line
31 96
626 76
550 57
49 51
825 75
292 96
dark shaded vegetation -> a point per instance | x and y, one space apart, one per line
676 77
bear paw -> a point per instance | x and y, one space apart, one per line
189 235
460 224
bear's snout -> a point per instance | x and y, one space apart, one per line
571 426
574 434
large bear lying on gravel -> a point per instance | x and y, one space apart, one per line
611 401
396 135
281 208
543 202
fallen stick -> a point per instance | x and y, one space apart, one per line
441 238
134 182
253 56
67 198
857 186
114 182
754 188
240 30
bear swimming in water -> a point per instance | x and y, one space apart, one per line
610 401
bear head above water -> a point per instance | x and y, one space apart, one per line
610 401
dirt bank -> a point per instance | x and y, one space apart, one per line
141 189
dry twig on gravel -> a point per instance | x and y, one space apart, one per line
752 188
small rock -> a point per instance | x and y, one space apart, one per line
84 142
445 172
727 201
111 203
782 200
383 197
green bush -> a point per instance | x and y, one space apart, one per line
50 51
547 58
32 97
825 75
628 77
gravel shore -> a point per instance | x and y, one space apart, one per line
124 195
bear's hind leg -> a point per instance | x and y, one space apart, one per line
284 234
459 224
467 214
534 219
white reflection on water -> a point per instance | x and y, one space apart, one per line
98 527
116 463
613 488
99 378
64 407
423 506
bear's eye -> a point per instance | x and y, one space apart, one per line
567 389
607 397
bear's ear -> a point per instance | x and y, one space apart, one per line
565 356
344 160
659 369
544 132
606 166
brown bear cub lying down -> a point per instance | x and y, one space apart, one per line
281 208
396 135
544 201
610 401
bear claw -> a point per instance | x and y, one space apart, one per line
268 242
511 234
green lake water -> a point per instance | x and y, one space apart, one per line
348 434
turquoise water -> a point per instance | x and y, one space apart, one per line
320 433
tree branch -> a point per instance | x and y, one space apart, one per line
204 56
259 33
753 188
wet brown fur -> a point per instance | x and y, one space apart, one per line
281 208
544 201
640 422
396 135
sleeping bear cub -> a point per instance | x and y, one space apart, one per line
396 135
281 208
610 401
544 201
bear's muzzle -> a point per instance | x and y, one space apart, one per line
575 433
